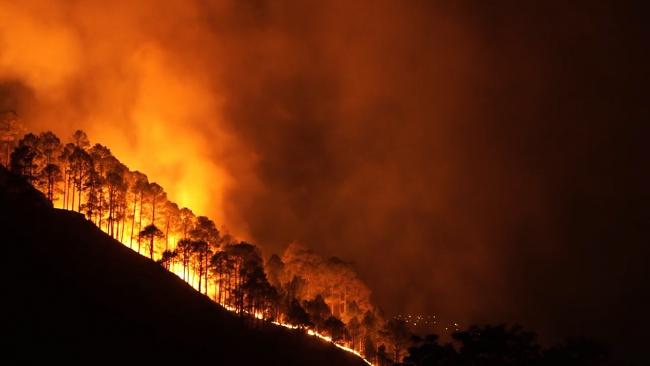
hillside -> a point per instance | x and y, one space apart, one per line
75 294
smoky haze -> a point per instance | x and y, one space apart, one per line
479 161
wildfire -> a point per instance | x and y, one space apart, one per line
325 338
191 280
302 290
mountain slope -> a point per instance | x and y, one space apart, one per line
75 294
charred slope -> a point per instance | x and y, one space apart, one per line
75 294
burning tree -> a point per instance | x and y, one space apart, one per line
396 334
333 279
301 288
10 130
151 232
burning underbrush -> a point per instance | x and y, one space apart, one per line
299 290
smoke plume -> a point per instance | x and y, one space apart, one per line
474 160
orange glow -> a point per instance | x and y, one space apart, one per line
137 95
193 281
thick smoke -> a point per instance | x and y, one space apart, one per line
474 160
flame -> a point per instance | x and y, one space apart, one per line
192 279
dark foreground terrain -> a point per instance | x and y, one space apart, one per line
71 293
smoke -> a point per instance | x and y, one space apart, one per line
473 160
142 85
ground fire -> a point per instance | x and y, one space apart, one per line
303 290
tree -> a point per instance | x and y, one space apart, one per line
52 174
246 258
157 195
172 217
151 232
427 352
100 156
201 251
10 129
80 139
260 295
297 316
382 357
334 327
49 147
187 221
184 247
167 259
296 287
273 268
139 184
81 166
23 158
497 345
369 325
354 332
318 311
205 231
222 267
397 334
64 162
116 189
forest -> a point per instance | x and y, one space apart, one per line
324 297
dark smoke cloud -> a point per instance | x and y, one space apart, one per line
483 161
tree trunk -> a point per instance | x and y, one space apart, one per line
200 272
139 221
167 234
74 192
206 273
123 215
79 191
65 178
135 202
151 248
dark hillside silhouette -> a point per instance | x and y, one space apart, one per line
75 294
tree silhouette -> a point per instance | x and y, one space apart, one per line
205 231
334 327
49 147
246 258
10 130
80 139
222 267
187 221
184 247
370 325
172 217
81 165
139 183
297 316
382 357
398 336
428 352
167 259
156 196
318 311
100 157
201 251
497 345
116 189
23 158
151 232
65 163
354 332
273 269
